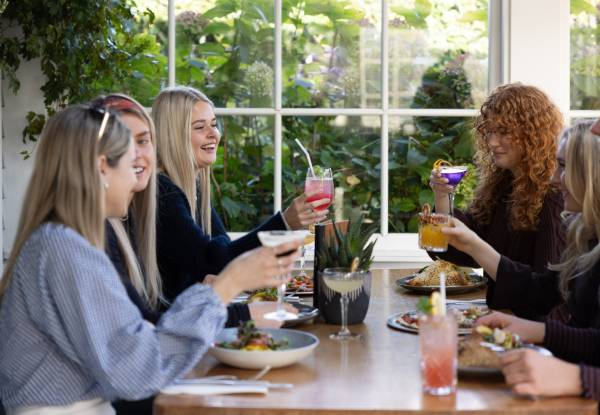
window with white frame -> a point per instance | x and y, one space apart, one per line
375 89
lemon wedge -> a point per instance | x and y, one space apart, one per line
437 306
484 330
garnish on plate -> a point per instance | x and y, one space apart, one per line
263 294
500 337
251 339
301 283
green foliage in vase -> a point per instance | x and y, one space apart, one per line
341 249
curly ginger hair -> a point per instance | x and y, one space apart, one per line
533 123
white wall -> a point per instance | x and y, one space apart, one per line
16 171
539 47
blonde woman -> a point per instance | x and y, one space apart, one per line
143 206
70 338
187 141
575 369
576 278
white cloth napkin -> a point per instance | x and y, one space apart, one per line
207 389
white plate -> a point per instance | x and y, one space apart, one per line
300 345
395 320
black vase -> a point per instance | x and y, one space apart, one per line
329 303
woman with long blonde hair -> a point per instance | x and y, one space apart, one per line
576 278
516 208
137 230
187 141
63 307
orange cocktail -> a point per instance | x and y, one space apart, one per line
438 341
431 237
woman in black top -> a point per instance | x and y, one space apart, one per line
576 278
516 207
187 140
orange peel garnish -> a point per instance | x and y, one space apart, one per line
439 163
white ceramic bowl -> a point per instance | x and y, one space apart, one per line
300 345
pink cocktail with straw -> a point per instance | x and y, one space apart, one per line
319 185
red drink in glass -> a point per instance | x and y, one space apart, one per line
438 346
322 187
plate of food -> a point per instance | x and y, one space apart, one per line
300 285
466 317
247 347
478 353
458 279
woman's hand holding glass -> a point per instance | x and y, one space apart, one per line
441 190
255 269
464 239
300 214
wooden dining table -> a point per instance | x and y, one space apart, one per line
378 374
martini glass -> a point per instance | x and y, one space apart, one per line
275 238
454 174
347 283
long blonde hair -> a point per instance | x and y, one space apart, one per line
143 211
582 180
172 114
65 186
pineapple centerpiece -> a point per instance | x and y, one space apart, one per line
345 245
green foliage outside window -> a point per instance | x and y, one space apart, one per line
585 55
93 46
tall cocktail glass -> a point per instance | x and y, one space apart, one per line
438 339
319 185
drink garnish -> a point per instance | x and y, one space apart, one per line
355 264
433 305
439 163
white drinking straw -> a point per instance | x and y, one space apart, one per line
443 292
307 156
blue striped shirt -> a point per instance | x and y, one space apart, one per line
68 331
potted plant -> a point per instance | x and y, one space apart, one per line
338 245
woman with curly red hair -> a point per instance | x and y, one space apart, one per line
517 207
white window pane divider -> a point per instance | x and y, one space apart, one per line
584 114
406 112
384 196
278 121
171 42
